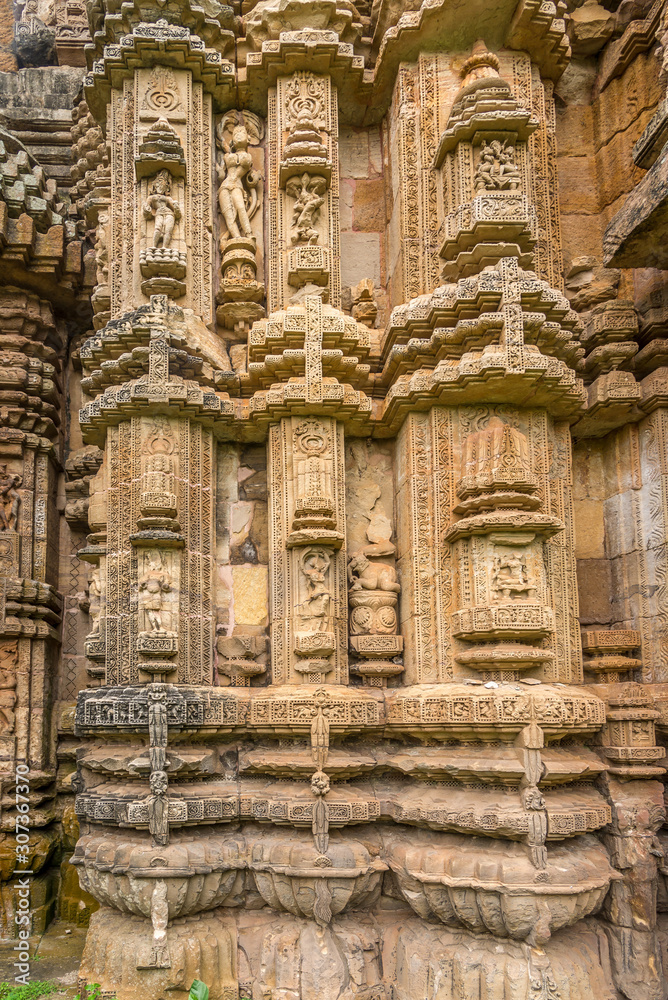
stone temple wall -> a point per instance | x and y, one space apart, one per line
334 494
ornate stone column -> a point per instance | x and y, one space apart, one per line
411 781
151 408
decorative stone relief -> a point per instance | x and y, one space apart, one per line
486 201
373 596
309 621
10 499
309 196
291 659
496 170
303 154
238 182
240 202
72 32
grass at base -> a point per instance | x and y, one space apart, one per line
31 991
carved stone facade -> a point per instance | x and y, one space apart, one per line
334 495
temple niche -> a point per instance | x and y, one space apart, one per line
333 479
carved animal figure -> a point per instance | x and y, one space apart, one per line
365 575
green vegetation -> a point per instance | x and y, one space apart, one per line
92 992
37 988
198 991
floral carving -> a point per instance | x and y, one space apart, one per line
162 94
306 101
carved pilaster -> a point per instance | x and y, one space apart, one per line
303 145
309 625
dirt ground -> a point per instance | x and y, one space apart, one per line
55 956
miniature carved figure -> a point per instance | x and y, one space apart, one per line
162 207
315 610
159 919
8 664
95 600
7 702
158 822
10 499
510 577
320 730
157 717
320 825
364 306
237 193
152 587
309 194
102 249
497 170
373 588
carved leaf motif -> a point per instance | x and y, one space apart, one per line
162 93
306 101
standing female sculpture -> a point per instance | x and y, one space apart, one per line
237 194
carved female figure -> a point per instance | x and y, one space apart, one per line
95 600
102 249
158 822
152 586
163 208
10 499
237 194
